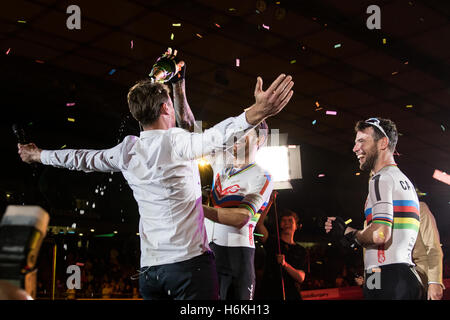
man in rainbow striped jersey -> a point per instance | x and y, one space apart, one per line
241 183
391 213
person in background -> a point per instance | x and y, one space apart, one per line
428 255
292 261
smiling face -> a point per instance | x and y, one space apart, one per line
366 149
288 224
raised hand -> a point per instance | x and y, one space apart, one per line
270 102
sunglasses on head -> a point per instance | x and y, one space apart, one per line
376 123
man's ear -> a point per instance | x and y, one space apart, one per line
164 108
384 143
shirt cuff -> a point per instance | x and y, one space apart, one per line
442 285
45 156
242 123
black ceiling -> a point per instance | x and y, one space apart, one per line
401 72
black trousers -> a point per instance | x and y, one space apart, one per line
236 271
193 279
396 281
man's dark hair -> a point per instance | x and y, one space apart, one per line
145 99
388 127
290 213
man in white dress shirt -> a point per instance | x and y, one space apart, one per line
160 168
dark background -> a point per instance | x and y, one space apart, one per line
48 66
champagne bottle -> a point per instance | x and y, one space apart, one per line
164 69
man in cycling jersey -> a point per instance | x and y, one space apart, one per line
391 214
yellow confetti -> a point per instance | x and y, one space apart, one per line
293 61
199 35
348 221
71 119
384 41
172 36
176 24
409 105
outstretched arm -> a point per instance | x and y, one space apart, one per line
83 160
189 146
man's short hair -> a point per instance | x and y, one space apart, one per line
388 126
290 213
145 99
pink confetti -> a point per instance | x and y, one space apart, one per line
321 175
441 176
332 113
70 104
266 27
238 62
132 44
7 52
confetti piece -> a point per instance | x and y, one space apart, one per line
112 72
70 104
314 122
172 36
348 221
337 45
441 176
238 62
217 25
358 173
231 9
442 127
8 51
321 175
176 24
266 27
384 40
406 62
317 104
258 234
199 35
39 61
317 109
63 146
394 73
21 21
409 105
132 44
332 113
293 61
71 119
